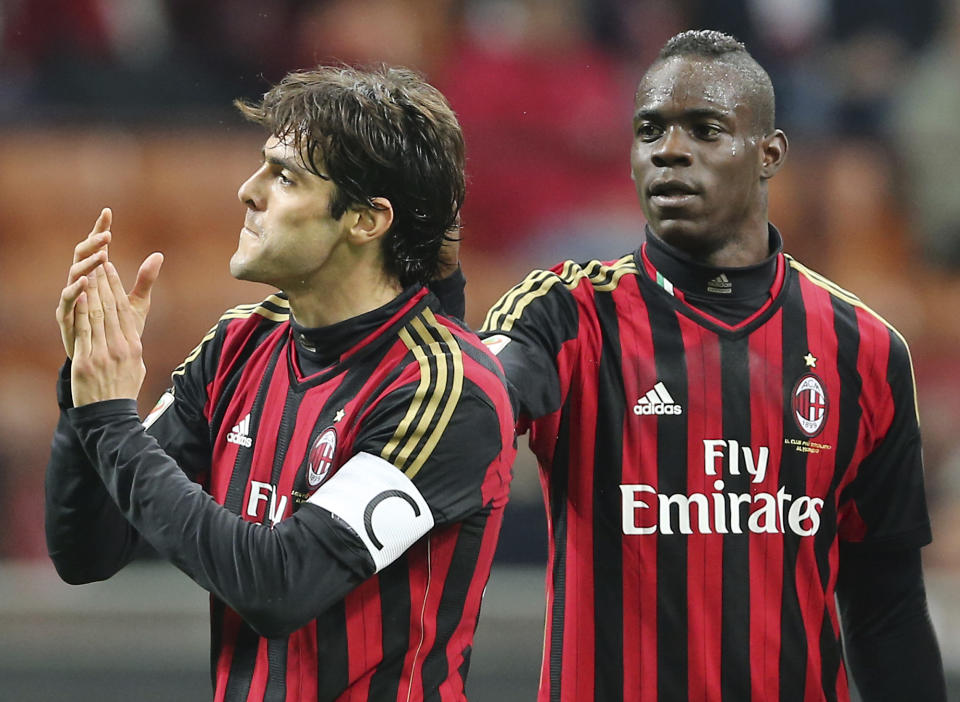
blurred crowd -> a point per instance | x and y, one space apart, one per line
868 93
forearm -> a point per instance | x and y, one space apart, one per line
277 578
450 292
88 539
892 651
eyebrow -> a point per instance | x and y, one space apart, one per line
695 113
289 165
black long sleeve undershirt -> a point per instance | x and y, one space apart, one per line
277 578
892 651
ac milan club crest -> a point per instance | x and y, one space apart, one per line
810 405
321 457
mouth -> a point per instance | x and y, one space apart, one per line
249 231
671 193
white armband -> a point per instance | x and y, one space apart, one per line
380 503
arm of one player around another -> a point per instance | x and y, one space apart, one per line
528 330
276 577
891 646
449 283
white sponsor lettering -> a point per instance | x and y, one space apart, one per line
646 511
263 492
755 465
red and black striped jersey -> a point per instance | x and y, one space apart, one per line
349 517
701 475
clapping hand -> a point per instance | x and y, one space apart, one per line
100 324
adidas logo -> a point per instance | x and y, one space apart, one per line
240 434
720 285
657 401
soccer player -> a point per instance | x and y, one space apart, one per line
728 441
332 463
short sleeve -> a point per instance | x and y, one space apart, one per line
885 505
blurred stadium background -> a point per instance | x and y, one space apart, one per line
126 103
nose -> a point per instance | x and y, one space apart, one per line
672 149
249 192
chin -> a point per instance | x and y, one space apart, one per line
686 236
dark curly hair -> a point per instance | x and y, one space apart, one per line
383 132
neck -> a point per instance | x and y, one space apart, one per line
747 247
323 304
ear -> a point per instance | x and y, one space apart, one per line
773 152
371 223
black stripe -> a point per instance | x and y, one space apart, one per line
395 608
793 478
276 689
245 644
288 424
607 527
847 332
735 628
672 631
216 637
241 467
463 566
332 653
243 664
559 490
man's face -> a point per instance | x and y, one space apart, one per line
697 156
288 235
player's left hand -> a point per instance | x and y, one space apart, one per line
108 356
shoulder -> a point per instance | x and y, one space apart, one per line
854 311
239 326
441 349
568 285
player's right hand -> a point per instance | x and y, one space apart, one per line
88 254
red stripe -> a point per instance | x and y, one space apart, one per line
639 564
224 453
302 665
577 667
265 441
811 596
878 404
261 673
704 413
429 562
229 629
451 690
766 550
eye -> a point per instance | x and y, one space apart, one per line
284 180
706 131
648 131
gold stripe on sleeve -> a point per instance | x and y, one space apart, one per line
239 312
454 382
426 380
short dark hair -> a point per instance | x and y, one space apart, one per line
714 45
383 132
